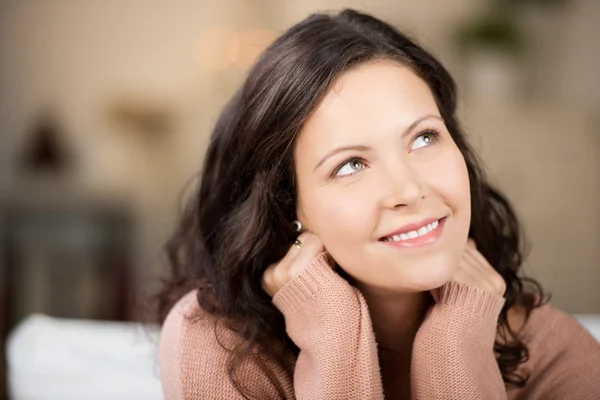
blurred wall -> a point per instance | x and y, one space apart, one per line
81 58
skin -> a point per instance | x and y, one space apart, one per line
403 180
400 174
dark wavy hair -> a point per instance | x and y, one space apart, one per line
239 220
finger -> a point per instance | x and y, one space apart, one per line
479 261
267 282
467 270
492 276
294 250
477 255
465 275
471 260
281 270
310 248
278 274
475 266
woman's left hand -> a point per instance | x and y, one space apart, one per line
474 270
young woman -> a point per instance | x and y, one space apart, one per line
345 244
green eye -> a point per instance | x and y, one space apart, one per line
357 165
424 139
351 167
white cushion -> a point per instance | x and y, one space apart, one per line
591 322
64 359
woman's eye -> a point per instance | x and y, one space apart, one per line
424 139
351 167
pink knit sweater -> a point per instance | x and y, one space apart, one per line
329 321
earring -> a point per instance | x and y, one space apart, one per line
297 225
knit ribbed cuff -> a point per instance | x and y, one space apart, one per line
308 282
471 299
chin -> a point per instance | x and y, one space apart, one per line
421 274
430 273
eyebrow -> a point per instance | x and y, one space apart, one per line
342 149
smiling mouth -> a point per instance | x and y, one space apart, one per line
409 236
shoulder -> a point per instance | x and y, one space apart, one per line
563 356
189 351
550 325
194 356
549 331
544 323
171 344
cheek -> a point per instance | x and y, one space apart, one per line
452 185
340 219
461 186
449 179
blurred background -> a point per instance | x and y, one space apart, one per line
106 108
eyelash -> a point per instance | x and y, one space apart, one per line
434 132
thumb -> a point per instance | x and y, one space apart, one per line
311 247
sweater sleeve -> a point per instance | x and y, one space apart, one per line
194 359
329 321
169 349
453 355
564 360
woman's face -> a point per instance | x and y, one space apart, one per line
375 167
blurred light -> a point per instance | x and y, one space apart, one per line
252 43
217 49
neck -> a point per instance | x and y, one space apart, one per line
396 318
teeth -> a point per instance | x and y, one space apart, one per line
413 234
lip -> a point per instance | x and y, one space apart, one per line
420 241
412 227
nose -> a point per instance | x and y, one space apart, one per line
402 186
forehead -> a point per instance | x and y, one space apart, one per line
372 99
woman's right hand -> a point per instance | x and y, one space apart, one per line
294 262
